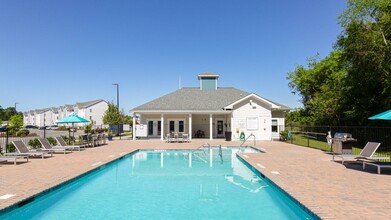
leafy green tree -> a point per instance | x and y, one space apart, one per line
15 123
320 85
5 114
112 115
366 48
127 120
354 81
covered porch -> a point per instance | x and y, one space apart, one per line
206 125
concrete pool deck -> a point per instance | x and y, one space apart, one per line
329 189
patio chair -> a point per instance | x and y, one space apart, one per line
180 136
172 137
186 138
46 145
365 154
62 143
24 151
13 158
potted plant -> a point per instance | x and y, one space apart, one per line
110 136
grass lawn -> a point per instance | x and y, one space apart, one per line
308 142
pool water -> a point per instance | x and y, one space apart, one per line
211 183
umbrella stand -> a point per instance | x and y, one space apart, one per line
73 133
69 135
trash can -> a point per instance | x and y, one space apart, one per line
228 135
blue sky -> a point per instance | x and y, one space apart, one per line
61 52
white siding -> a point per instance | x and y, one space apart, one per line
246 110
96 112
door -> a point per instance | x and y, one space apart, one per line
150 128
220 128
159 128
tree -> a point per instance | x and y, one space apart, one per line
365 43
15 123
5 114
112 115
354 81
321 88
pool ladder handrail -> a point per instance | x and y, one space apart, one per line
221 154
240 147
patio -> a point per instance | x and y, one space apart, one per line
329 189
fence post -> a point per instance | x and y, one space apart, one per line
6 139
291 135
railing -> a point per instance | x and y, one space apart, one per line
315 137
251 135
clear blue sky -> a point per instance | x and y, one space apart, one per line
61 52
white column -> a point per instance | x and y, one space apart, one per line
211 127
190 126
162 127
134 125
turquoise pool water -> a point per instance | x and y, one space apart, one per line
205 184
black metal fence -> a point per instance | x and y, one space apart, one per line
6 139
315 136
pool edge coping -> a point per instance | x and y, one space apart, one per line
300 204
31 198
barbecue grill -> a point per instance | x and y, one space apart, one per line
343 143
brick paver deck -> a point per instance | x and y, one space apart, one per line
329 189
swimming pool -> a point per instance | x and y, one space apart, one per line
211 183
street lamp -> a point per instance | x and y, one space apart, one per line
116 84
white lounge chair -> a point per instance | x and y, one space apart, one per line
13 158
379 165
24 151
366 154
46 145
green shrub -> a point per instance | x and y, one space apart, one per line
67 140
11 148
52 141
34 143
23 133
284 135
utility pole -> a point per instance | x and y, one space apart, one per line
116 84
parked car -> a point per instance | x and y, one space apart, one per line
3 128
31 127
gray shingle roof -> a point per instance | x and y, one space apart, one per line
88 104
194 99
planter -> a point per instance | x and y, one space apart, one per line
228 135
110 138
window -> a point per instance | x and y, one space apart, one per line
181 126
159 127
90 109
90 117
172 126
274 125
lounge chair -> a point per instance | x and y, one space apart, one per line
24 151
13 158
365 154
63 144
379 165
46 145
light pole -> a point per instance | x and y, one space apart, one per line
116 84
